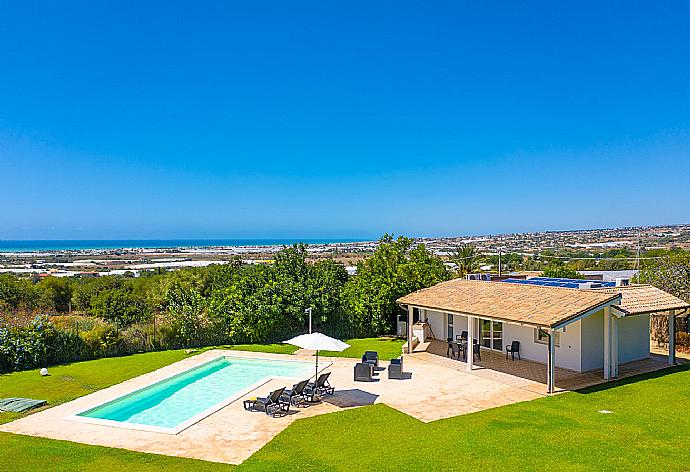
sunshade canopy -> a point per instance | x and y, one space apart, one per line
317 341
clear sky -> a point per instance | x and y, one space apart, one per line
233 119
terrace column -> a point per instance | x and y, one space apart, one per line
551 363
607 343
614 347
469 352
672 337
410 311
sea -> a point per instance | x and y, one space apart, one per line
104 244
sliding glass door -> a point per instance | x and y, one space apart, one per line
485 332
497 328
491 334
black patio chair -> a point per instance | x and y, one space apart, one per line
364 372
296 396
395 368
371 357
476 350
513 349
455 350
270 405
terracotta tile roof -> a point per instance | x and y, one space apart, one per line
529 304
639 299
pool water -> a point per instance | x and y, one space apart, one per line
173 401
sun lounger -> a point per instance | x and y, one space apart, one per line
395 369
296 396
270 405
364 372
320 387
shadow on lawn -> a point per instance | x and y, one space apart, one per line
634 379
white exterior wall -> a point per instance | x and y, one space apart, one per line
581 346
592 333
633 338
437 322
567 353
567 350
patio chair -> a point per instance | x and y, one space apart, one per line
463 335
455 350
296 395
513 349
395 368
321 386
364 372
476 351
371 357
270 405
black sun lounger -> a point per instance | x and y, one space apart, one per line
270 405
321 386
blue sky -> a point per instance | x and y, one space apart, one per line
331 119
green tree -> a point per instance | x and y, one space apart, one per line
186 313
17 293
267 302
396 268
561 271
119 305
55 294
465 258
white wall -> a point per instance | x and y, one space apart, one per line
581 346
437 322
633 338
593 341
567 352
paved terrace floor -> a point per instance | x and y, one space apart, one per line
530 375
436 387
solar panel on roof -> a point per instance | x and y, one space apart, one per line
560 282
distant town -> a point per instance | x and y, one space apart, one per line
621 245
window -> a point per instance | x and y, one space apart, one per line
450 327
541 337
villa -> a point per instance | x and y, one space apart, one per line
576 326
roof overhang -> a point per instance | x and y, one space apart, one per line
612 303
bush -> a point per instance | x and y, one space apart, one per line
37 344
683 340
103 340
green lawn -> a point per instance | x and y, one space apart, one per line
648 429
274 348
388 348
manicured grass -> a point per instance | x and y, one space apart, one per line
29 454
278 348
647 430
388 348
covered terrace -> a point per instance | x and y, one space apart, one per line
492 313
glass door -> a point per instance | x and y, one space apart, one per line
485 332
497 336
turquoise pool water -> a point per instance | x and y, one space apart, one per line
171 402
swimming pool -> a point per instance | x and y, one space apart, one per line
177 402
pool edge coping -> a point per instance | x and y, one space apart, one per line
196 418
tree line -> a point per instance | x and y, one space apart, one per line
220 304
